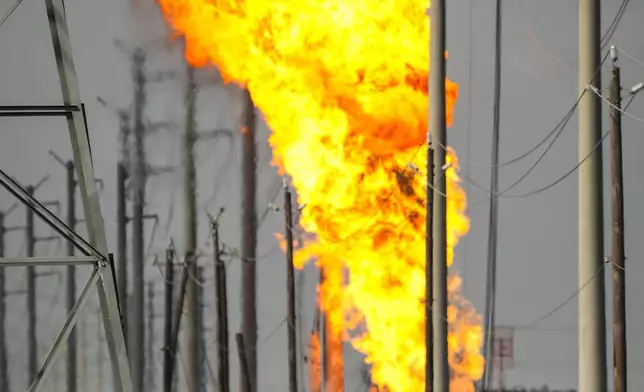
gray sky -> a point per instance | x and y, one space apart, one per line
537 258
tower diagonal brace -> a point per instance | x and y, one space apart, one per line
88 190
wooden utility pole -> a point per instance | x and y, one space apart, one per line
243 364
618 259
249 238
167 322
190 347
221 293
592 310
290 289
136 336
437 124
121 240
176 318
493 229
71 277
429 305
150 344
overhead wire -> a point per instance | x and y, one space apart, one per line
9 12
629 56
490 287
612 105
560 126
613 26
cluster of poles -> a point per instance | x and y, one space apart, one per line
173 310
592 317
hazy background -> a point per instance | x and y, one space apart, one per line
537 257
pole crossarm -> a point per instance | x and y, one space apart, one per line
47 261
38 110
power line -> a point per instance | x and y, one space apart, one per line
613 26
10 12
631 57
624 112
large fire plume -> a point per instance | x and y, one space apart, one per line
343 87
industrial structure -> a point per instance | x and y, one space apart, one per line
95 253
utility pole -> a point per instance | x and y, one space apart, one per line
136 336
4 373
437 125
618 258
5 385
290 285
71 277
221 291
167 321
249 239
176 321
429 304
201 352
243 364
190 345
490 300
32 340
121 238
592 312
150 349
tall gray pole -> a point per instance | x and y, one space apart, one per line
221 291
137 326
167 321
490 300
121 239
150 344
290 290
429 266
4 374
438 126
190 346
592 314
617 193
32 340
71 276
249 239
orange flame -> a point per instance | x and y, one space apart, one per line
315 362
343 87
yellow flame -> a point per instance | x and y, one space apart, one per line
343 87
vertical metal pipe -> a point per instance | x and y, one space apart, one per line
437 124
592 312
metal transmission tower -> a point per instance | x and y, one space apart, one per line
94 250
